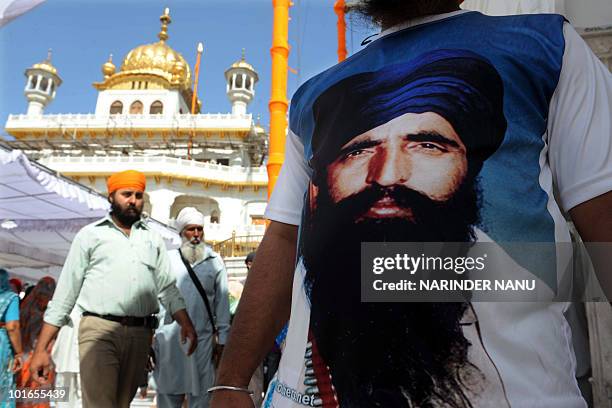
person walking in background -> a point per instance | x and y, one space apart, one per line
10 340
31 321
116 272
202 280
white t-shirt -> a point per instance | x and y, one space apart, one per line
527 345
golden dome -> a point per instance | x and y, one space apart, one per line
108 68
242 63
158 59
46 65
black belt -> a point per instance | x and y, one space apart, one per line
149 322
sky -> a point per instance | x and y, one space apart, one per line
82 34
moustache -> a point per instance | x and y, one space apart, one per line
399 201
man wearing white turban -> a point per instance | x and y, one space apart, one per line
177 376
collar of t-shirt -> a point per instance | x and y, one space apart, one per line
418 21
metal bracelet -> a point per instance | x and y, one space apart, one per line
229 388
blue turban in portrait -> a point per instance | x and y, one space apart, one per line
459 85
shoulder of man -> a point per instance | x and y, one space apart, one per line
89 230
214 258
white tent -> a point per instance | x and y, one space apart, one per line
40 212
10 9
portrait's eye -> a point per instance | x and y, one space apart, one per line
355 153
431 148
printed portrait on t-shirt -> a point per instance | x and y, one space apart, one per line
396 155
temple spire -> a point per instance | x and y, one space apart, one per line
165 20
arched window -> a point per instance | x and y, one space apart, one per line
43 84
157 108
239 81
136 108
214 217
248 83
116 108
33 82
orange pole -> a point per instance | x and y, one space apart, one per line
194 98
278 99
339 8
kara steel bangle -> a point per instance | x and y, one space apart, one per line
229 388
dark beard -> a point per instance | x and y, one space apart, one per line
126 216
386 354
391 12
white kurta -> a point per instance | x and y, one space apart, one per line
175 373
65 353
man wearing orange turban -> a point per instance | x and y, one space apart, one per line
126 195
130 179
117 272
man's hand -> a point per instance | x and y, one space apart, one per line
187 330
41 359
40 366
231 399
17 362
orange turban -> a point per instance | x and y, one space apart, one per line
126 179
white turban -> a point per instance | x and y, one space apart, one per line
188 216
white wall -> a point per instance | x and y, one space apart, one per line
581 13
170 99
589 13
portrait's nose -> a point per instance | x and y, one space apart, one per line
389 166
197 233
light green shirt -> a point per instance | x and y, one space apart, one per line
112 273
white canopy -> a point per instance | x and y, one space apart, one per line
40 212
10 9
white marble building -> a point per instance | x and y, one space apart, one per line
143 120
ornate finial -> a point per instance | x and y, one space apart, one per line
49 52
165 20
108 68
242 58
200 47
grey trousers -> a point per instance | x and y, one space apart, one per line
113 361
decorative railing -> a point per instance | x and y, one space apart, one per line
237 245
93 121
157 165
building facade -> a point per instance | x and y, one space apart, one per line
147 118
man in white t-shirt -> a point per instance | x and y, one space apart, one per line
555 159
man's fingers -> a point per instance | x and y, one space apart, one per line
194 343
38 378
